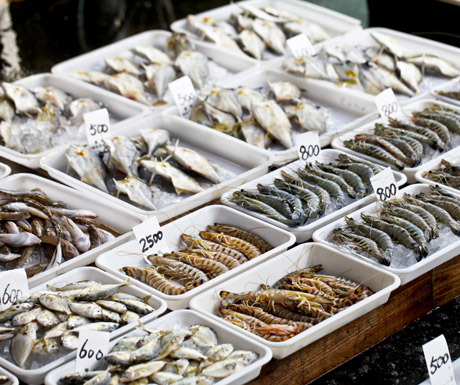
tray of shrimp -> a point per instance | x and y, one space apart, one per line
448 92
408 235
202 249
294 299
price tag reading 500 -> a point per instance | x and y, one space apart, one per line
149 236
97 128
438 362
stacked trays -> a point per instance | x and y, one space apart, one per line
12 379
37 375
113 260
302 233
5 170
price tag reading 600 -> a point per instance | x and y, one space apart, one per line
92 347
13 286
149 236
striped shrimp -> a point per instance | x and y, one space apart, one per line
395 211
312 286
440 144
374 151
311 208
210 267
450 206
278 203
406 148
348 159
354 180
154 279
449 168
346 188
429 218
225 259
451 121
440 129
364 172
248 249
288 314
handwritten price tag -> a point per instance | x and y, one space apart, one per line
13 286
92 347
150 236
308 146
184 94
438 362
384 185
387 105
97 128
300 46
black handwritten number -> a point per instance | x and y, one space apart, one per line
436 363
387 192
389 109
90 352
98 129
185 98
12 296
151 240
309 151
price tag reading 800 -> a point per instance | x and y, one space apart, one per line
184 94
438 361
150 236
384 185
92 347
308 146
387 105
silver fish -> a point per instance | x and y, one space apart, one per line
7 112
308 117
99 292
154 137
282 14
56 331
55 302
315 32
368 81
177 43
152 54
69 340
137 306
47 318
129 317
137 190
311 67
23 99
219 352
112 306
143 370
259 13
23 207
27 317
285 91
97 326
79 238
95 77
86 309
23 343
188 353
123 154
159 75
252 43
74 321
391 44
203 336
194 65
128 86
80 107
225 100
409 74
110 316
121 64
254 134
44 346
248 96
389 79
435 65
73 213
222 121
165 378
271 34
52 95
19 240
74 285
223 368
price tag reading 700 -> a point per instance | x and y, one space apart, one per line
149 236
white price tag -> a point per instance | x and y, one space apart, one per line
308 146
438 362
384 185
92 347
184 94
97 128
300 45
13 286
387 105
150 236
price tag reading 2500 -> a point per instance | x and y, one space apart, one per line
149 236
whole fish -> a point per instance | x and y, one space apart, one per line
137 190
23 343
121 64
23 99
194 65
123 154
252 43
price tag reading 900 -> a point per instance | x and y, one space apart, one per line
387 105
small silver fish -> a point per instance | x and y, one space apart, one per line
307 116
221 121
223 368
79 238
19 240
23 207
79 107
272 35
99 292
128 86
97 326
219 352
391 44
254 134
159 75
86 309
252 43
154 137
74 321
23 99
69 340
112 306
177 43
143 370
123 154
44 346
203 336
315 32
52 95
23 343
152 54
137 190
55 302
435 65
95 77
121 64
285 91
248 96
194 65
6 109
409 74
27 317
47 318
310 67
389 79
225 100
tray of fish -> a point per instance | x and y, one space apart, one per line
182 347
374 59
407 236
48 236
216 242
140 67
429 129
259 28
41 331
42 112
448 92
286 315
302 199
160 165
6 378
268 109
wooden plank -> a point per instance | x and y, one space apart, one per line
404 306
446 282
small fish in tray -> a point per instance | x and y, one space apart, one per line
308 193
448 174
179 356
295 303
211 254
407 142
45 325
38 233
403 231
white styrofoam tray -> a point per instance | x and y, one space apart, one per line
5 170
333 22
183 319
405 274
129 254
36 376
12 379
334 262
119 218
451 85
118 110
94 60
416 105
216 147
302 233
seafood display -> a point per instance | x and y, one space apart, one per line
448 174
192 355
407 229
371 68
38 233
267 117
259 32
37 119
451 91
143 73
407 142
211 254
305 194
298 301
45 326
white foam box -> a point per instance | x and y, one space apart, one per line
183 319
128 254
36 376
119 110
451 85
94 60
12 379
218 148
302 233
333 22
416 105
334 262
119 218
405 274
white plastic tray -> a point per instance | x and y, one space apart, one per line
118 109
302 233
216 147
117 217
94 60
191 224
183 319
5 170
451 85
405 274
334 262
415 105
13 379
333 22
36 376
